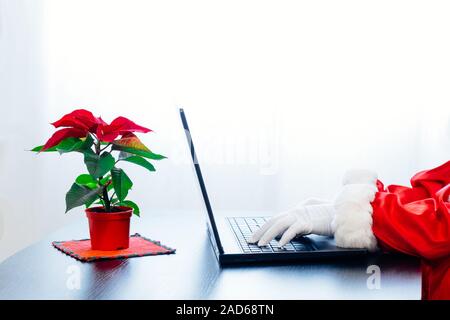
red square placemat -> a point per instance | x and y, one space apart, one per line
139 246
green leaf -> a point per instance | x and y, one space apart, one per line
88 203
86 180
39 149
129 203
104 180
124 155
87 143
130 140
80 195
88 152
70 144
140 162
107 180
99 165
121 183
64 146
142 153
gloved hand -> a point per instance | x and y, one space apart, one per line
348 217
311 216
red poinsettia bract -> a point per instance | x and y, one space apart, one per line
79 123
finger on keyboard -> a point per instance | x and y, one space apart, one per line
279 227
259 233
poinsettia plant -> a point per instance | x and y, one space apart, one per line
105 183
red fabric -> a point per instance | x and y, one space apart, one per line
436 279
139 246
416 220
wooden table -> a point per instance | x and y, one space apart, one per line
42 272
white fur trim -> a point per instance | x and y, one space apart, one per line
353 221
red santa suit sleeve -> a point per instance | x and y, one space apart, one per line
436 279
415 220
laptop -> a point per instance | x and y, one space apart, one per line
229 235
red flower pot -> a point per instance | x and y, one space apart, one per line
109 230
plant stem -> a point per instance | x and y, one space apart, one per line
106 200
97 148
105 147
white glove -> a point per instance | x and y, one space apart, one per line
312 216
348 217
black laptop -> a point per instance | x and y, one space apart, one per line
229 235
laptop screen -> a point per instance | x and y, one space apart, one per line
212 228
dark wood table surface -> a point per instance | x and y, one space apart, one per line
42 272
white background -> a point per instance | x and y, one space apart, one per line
282 98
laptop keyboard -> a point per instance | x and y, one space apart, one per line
243 228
